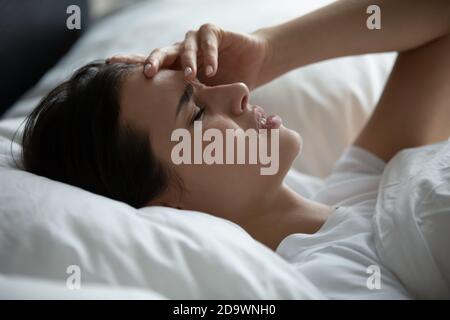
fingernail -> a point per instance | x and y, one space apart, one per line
147 67
187 71
209 70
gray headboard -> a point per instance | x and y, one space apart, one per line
33 37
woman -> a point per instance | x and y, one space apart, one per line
108 130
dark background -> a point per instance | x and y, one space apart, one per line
33 37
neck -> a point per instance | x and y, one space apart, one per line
283 213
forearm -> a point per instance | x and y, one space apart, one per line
340 29
414 108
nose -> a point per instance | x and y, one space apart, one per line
232 98
239 98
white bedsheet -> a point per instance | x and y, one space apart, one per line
412 220
20 288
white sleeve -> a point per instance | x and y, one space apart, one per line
355 178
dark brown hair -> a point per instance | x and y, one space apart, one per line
75 136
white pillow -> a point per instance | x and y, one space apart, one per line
25 288
327 102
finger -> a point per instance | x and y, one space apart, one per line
188 55
160 58
127 58
209 42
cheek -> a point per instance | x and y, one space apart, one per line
230 180
219 122
208 185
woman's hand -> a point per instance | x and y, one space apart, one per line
213 55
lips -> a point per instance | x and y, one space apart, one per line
264 122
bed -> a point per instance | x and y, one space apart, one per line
58 241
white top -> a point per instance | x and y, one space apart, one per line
341 258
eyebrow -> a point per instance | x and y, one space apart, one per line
185 98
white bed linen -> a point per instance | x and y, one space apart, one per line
26 288
336 258
412 220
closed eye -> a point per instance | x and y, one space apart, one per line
198 115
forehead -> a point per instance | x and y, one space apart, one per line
142 98
164 80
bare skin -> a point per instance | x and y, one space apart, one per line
413 111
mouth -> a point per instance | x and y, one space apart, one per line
265 122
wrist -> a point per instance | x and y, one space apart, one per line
268 68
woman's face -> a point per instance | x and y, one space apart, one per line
225 190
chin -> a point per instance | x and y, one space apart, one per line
291 142
290 147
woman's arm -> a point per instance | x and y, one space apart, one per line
414 109
340 29
218 56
